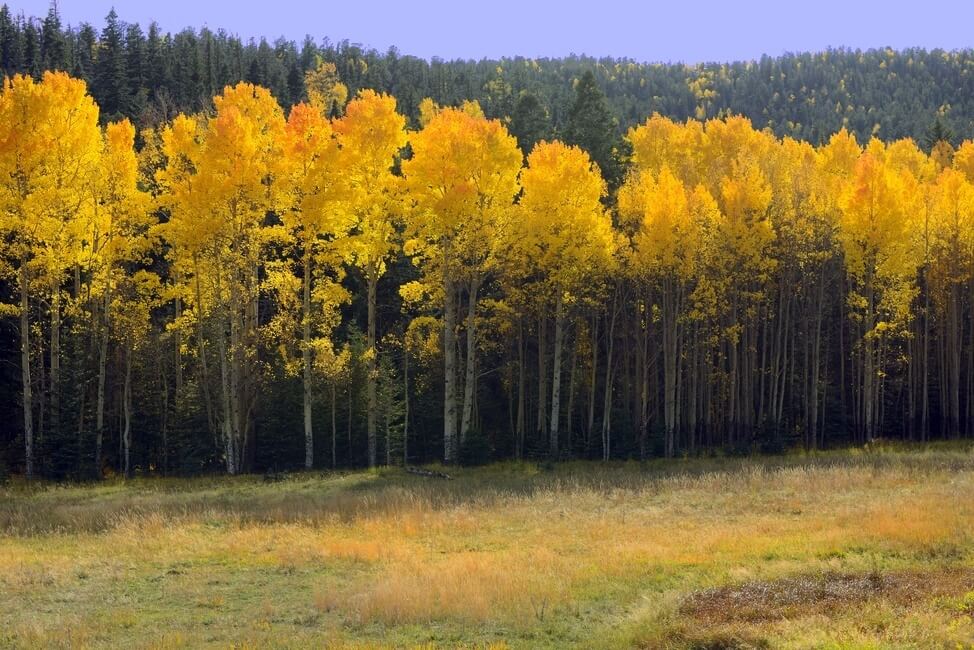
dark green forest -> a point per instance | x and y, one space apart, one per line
149 76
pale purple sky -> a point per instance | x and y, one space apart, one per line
676 30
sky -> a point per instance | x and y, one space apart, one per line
671 31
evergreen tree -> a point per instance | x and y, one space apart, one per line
154 57
135 46
84 53
110 86
529 122
936 133
10 43
187 88
592 127
54 46
31 46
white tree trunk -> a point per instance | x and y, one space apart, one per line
102 371
309 451
371 370
25 373
450 372
470 368
56 360
127 406
556 376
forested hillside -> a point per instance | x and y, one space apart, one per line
148 76
465 261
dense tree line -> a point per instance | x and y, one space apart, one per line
250 289
149 76
246 286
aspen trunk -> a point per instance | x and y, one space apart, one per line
28 402
954 355
228 447
589 430
925 366
405 402
556 377
178 344
56 361
127 409
669 367
542 375
371 372
334 428
868 400
607 401
470 367
571 394
164 384
814 363
309 452
201 345
102 371
228 382
348 429
450 372
521 371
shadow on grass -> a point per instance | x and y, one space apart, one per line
323 498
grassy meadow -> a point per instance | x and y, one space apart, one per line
868 548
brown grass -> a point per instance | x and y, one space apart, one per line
825 594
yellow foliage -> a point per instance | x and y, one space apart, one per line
326 93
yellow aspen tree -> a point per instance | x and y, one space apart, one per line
904 155
190 242
119 236
951 257
228 172
326 93
371 134
317 220
805 227
564 231
879 211
668 240
735 172
49 150
660 142
963 160
462 178
335 368
132 301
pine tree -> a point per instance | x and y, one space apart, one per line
110 86
10 43
937 132
83 65
592 127
135 45
529 122
156 60
32 61
54 46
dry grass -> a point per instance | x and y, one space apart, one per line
850 550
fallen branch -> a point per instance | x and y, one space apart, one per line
428 473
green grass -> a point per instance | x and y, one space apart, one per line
848 549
